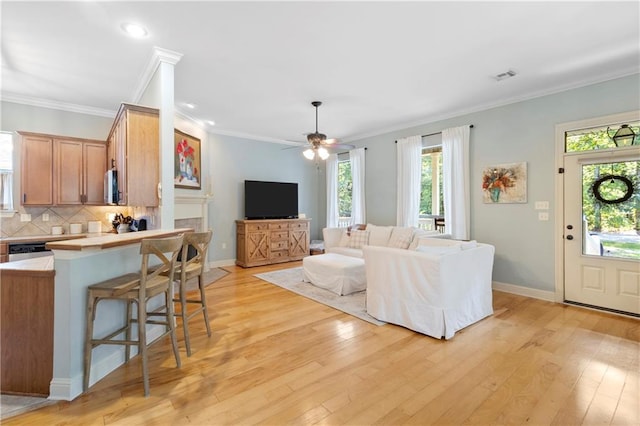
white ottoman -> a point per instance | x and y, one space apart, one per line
335 272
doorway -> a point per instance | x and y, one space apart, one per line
599 243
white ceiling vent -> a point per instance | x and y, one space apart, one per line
504 75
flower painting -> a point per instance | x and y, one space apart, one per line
505 183
187 161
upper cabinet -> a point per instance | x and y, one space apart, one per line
134 150
59 170
37 170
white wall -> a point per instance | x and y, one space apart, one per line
522 131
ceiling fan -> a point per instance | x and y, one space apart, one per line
319 142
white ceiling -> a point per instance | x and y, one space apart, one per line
255 67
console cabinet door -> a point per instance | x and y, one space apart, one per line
298 243
36 180
257 247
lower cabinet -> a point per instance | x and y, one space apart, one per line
263 242
26 315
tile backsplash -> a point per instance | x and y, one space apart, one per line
58 216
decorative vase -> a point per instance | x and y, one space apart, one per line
494 193
122 228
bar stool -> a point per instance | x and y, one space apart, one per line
193 260
137 288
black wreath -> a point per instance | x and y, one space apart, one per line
603 179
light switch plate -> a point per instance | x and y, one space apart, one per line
45 217
542 205
25 217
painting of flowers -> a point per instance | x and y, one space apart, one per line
187 161
505 183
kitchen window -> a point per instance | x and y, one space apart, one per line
6 172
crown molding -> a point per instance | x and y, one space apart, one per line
158 56
62 106
490 105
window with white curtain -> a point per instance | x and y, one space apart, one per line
6 171
345 187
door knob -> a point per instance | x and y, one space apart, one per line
569 226
569 237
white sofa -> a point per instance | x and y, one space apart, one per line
437 289
336 240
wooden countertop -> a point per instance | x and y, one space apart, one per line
105 241
37 266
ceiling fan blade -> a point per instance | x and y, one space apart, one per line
331 141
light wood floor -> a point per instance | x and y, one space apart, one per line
277 358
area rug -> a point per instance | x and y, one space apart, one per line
291 279
210 276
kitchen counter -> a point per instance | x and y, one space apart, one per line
36 267
105 241
44 237
78 264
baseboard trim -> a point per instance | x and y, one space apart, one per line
221 263
64 389
549 296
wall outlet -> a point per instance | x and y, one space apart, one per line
45 217
25 217
542 205
224 245
543 216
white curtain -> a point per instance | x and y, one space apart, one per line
455 170
332 191
6 190
358 214
408 187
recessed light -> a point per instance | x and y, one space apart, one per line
211 122
190 106
134 30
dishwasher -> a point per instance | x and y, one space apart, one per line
21 251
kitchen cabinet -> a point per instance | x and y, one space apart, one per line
27 318
263 242
58 170
134 150
80 167
36 180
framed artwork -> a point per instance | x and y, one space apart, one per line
505 183
188 173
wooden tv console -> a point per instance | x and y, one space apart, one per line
263 242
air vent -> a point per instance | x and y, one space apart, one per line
505 75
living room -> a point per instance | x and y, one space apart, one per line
515 130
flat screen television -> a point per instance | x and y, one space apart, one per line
270 200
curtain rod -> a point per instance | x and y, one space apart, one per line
437 133
346 152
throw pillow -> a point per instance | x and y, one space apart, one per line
419 233
358 239
344 240
379 235
401 237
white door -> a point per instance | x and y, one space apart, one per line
602 259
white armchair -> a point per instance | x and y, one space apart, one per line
435 293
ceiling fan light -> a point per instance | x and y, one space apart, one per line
323 153
309 154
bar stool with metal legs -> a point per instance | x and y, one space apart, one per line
137 288
192 264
